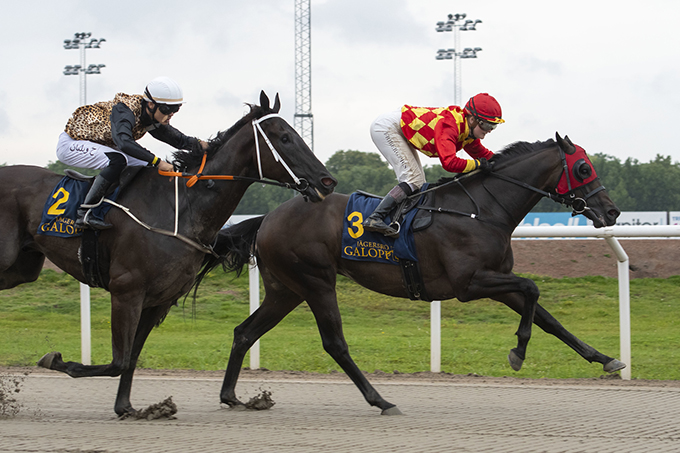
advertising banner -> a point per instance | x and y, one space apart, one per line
626 218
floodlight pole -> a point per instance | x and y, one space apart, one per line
457 23
79 42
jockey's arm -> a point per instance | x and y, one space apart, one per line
446 137
173 137
122 122
477 151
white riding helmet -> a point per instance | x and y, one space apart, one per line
163 90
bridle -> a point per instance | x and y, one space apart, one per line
578 204
277 157
301 184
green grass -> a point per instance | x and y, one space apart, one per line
384 333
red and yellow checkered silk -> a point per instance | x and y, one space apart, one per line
418 125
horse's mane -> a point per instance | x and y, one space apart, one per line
510 152
185 160
516 149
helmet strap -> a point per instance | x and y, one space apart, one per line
150 111
472 123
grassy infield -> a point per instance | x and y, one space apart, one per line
384 333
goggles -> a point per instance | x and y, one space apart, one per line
167 109
486 126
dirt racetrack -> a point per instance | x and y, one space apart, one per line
327 413
656 258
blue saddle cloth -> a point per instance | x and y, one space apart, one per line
60 211
361 245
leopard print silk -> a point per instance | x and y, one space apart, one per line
93 122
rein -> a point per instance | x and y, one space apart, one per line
578 204
300 184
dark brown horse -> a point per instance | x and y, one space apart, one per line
467 257
148 272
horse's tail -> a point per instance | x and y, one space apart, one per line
234 246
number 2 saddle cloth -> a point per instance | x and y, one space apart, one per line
60 211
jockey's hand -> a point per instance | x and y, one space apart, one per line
165 166
485 166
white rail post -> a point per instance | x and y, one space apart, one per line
624 305
254 286
85 333
435 336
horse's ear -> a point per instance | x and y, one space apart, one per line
564 143
277 104
264 100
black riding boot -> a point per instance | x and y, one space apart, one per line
94 196
376 221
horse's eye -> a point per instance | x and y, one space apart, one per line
285 139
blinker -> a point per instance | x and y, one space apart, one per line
582 170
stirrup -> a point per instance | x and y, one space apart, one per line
94 223
382 228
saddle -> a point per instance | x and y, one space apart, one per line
411 274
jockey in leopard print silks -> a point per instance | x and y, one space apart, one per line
104 135
435 132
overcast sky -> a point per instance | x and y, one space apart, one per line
606 73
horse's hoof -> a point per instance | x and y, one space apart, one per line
614 365
394 410
46 360
515 361
233 405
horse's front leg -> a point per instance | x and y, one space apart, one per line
328 319
275 306
149 318
125 315
499 286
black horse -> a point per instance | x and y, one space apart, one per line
148 272
462 256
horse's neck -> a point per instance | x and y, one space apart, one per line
208 209
540 170
506 202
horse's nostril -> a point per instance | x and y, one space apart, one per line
614 213
329 182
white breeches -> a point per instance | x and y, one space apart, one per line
401 155
87 154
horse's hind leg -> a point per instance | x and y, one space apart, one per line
549 324
501 287
18 263
275 306
149 318
125 314
329 321
26 268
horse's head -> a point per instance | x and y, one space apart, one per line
559 170
581 189
283 155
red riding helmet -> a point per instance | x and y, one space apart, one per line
485 107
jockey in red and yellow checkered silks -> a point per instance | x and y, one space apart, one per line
442 132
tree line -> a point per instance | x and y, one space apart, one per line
632 185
